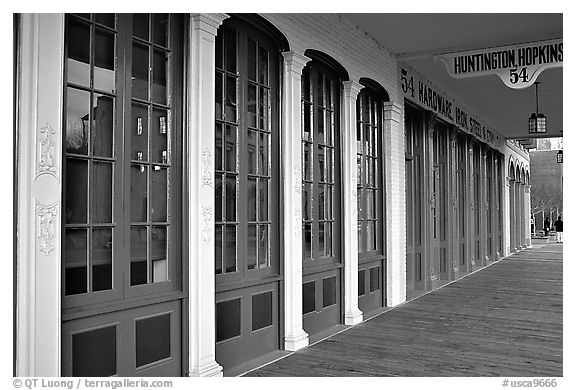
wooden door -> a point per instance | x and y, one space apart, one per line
123 271
415 201
322 262
247 263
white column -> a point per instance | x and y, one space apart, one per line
295 337
39 189
527 213
200 198
395 185
352 315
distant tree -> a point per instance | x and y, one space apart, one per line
544 198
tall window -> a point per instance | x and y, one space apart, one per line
246 131
369 128
122 156
320 132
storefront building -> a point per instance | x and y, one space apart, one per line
198 193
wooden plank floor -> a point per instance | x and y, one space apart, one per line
504 320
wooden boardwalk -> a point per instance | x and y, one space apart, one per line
504 320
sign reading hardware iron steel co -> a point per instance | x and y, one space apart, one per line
517 65
421 92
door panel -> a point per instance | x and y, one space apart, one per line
246 194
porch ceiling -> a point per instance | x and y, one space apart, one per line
416 38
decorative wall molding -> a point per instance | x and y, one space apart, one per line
207 168
46 154
207 223
297 178
45 226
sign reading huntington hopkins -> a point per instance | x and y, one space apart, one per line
423 93
517 65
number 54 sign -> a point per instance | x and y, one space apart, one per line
517 65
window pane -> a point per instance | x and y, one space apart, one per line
218 250
251 203
370 245
104 61
251 105
219 58
101 200
263 154
321 202
140 71
160 28
251 147
159 77
320 125
159 135
252 45
263 247
307 240
263 65
139 132
78 38
230 49
77 121
139 193
263 200
218 191
231 99
76 191
218 95
219 141
321 163
138 255
103 129
263 109
307 121
251 246
101 259
76 259
307 207
159 257
369 204
231 197
159 195
140 26
308 165
320 89
230 252
231 139
329 239
321 251
105 19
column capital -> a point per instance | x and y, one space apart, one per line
295 61
351 89
207 22
393 106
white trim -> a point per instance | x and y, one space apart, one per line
395 185
295 337
352 314
39 195
200 194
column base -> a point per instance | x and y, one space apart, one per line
353 318
206 370
296 342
